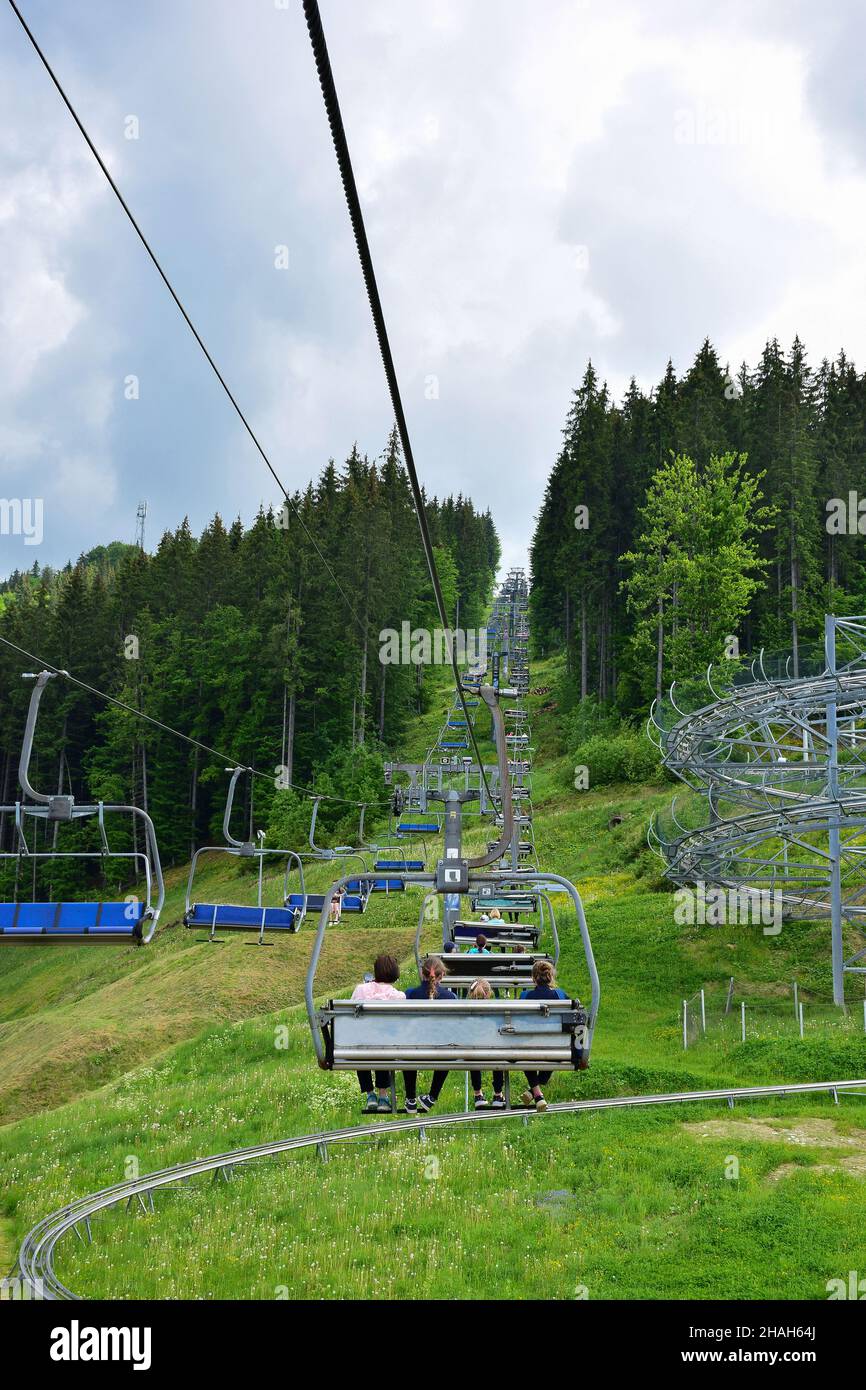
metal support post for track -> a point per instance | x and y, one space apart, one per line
834 841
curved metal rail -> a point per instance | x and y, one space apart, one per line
779 762
36 1255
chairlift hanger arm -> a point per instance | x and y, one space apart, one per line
488 695
236 772
42 680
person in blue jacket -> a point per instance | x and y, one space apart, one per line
431 987
544 986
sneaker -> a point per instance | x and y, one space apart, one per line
528 1099
411 1107
426 1102
497 1103
540 1103
383 1105
372 1104
481 1103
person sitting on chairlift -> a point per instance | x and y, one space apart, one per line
480 989
480 947
544 986
385 972
431 987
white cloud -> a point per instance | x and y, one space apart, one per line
697 155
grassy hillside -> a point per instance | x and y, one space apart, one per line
114 1058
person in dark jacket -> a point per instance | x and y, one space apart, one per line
544 986
431 987
480 989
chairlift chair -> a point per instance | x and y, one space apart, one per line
285 918
502 1034
132 921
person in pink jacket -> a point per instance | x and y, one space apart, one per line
385 972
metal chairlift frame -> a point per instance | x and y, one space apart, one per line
414 1050
343 853
62 808
244 849
451 1056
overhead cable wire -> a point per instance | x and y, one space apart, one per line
192 328
314 24
177 733
356 216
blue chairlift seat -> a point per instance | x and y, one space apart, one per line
418 828
351 902
234 918
453 743
315 901
376 885
409 866
72 921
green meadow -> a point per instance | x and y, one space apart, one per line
117 1060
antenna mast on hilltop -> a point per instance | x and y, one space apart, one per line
140 515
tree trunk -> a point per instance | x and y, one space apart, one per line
660 649
382 707
290 739
4 798
193 802
362 713
583 647
133 784
602 650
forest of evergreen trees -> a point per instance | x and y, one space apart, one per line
706 513
245 643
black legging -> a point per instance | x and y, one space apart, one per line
538 1078
498 1081
365 1080
410 1081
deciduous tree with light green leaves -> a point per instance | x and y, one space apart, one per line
695 565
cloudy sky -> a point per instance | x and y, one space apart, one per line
544 181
